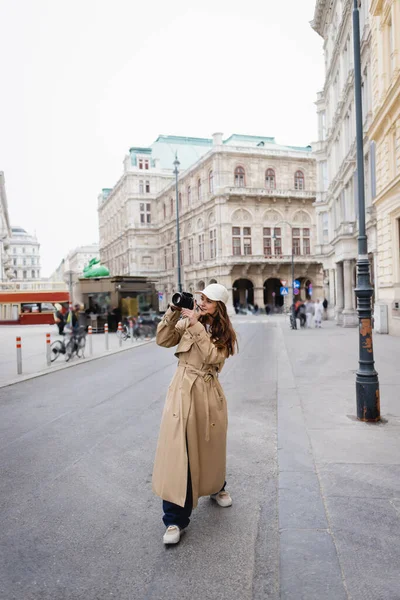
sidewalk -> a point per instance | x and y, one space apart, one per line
339 479
33 338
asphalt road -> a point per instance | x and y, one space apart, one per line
78 520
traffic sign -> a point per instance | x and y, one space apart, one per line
296 291
160 295
310 290
283 282
296 284
284 291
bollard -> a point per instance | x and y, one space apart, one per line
131 330
120 333
19 356
106 334
48 355
90 340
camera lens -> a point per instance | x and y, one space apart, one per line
177 299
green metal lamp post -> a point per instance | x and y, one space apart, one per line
367 384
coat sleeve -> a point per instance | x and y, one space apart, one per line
210 354
169 331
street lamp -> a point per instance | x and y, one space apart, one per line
178 243
294 324
367 384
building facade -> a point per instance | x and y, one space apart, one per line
25 255
385 132
6 272
127 212
335 152
243 204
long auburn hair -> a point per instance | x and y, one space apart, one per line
221 329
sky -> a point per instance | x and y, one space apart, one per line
82 81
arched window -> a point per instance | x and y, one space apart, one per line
270 179
240 176
199 189
180 201
189 192
165 210
299 180
171 204
211 181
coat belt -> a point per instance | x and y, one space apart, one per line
208 375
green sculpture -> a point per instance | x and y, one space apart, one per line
95 269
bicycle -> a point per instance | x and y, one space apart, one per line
75 344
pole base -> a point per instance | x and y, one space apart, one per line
368 400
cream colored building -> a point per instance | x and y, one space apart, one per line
243 204
6 271
335 152
385 131
25 254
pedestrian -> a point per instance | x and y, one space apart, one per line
59 318
318 310
325 305
191 452
267 309
73 318
309 312
301 314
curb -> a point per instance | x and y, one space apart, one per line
80 361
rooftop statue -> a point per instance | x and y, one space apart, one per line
95 269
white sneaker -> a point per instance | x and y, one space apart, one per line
172 535
222 499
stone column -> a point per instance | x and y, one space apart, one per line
349 314
259 297
339 293
332 290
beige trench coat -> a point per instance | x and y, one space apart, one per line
195 417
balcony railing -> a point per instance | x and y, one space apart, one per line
264 192
274 258
346 228
32 286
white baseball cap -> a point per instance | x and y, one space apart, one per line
216 292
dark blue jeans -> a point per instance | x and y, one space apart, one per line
178 515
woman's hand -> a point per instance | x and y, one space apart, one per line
175 308
193 315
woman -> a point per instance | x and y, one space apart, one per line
191 453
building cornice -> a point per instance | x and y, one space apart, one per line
319 13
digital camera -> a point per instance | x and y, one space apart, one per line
183 300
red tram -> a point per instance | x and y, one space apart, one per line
30 307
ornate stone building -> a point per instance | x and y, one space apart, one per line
385 131
25 255
244 203
6 272
335 152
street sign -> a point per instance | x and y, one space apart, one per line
284 291
160 295
296 284
296 291
283 282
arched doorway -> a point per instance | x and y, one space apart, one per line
243 292
272 293
212 281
